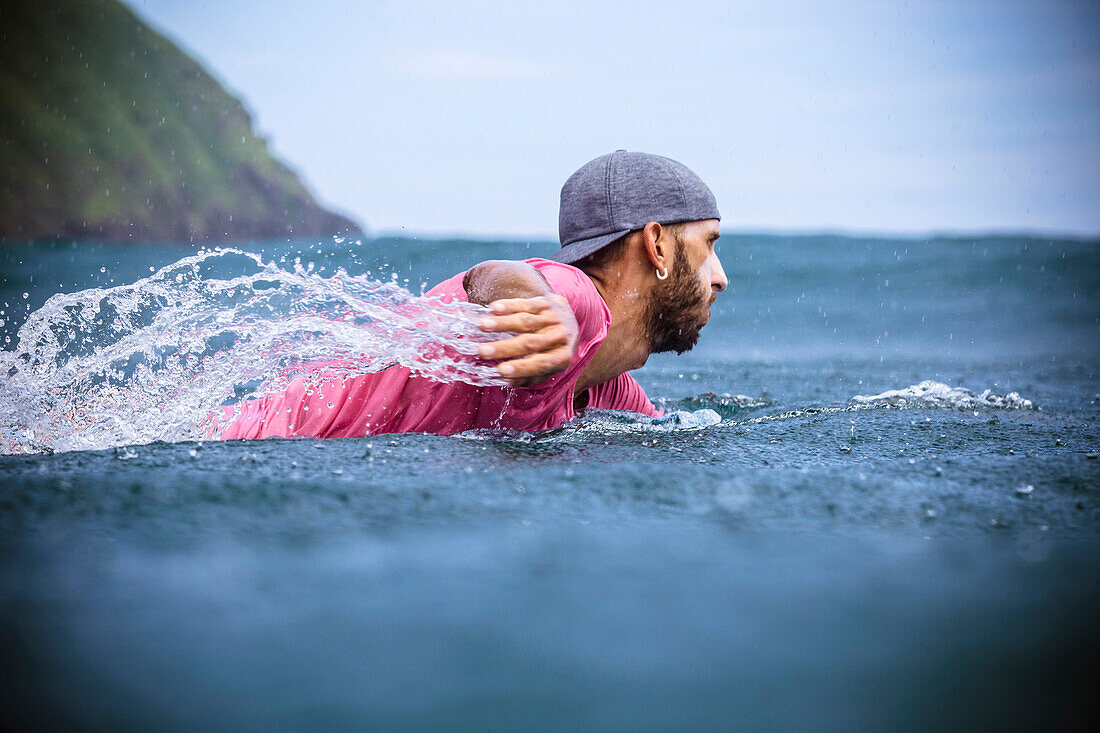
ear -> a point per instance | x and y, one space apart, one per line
655 246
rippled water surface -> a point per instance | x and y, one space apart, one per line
876 505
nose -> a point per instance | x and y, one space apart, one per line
718 281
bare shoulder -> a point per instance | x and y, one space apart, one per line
493 279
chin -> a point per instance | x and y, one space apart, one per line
679 342
685 346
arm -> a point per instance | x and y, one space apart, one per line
522 302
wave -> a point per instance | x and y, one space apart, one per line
714 410
725 404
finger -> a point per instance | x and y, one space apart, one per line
525 344
537 365
505 306
519 322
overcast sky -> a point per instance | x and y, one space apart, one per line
439 117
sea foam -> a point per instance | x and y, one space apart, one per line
939 395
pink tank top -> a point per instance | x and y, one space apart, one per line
396 401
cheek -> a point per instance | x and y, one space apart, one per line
702 276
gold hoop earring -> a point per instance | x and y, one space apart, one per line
662 277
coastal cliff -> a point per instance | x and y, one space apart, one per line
109 131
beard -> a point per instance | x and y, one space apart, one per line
674 313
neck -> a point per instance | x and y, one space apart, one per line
626 346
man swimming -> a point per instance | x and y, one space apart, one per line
636 275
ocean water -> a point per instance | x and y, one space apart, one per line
877 505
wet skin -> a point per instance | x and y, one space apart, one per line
546 330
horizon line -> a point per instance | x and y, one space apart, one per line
854 233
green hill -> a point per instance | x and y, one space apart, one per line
108 130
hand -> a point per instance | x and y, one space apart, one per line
546 338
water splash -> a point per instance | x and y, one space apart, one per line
150 360
607 422
931 394
598 424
